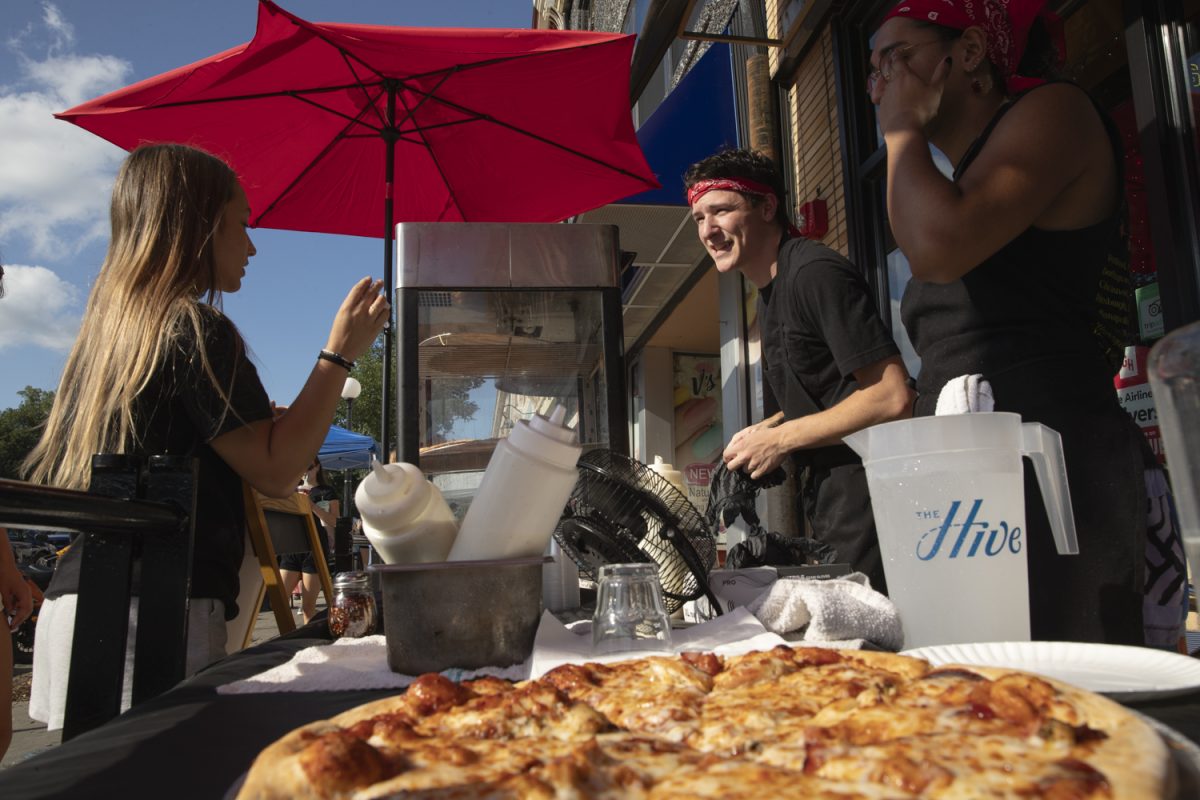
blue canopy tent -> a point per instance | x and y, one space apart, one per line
695 120
344 449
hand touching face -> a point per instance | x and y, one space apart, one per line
909 68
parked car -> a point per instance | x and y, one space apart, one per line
36 553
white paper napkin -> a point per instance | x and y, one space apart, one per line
349 664
734 633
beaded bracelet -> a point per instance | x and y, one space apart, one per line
336 358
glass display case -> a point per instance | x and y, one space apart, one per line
496 323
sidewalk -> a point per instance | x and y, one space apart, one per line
30 737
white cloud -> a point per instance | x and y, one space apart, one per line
39 308
55 178
61 31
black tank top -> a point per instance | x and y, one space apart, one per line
1041 319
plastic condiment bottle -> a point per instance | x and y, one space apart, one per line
669 474
674 477
523 493
405 517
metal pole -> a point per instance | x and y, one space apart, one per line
389 140
346 476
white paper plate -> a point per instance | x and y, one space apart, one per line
1121 672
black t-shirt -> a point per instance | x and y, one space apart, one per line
819 324
179 412
322 493
1035 318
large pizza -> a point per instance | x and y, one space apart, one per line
789 722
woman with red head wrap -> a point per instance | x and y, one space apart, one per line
1018 276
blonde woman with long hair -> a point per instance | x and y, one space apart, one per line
157 368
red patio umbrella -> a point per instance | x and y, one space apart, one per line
332 126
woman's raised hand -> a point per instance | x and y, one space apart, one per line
362 316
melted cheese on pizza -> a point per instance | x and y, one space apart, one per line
789 722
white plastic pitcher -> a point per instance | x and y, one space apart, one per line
949 502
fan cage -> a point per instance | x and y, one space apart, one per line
621 511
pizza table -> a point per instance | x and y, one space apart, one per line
193 742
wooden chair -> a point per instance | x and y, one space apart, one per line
136 514
276 527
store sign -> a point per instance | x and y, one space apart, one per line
1137 398
1149 311
1194 72
699 435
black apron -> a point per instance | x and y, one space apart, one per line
833 492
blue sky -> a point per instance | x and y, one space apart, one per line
55 178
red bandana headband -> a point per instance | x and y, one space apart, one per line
743 185
1006 23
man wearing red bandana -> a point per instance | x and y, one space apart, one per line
1019 276
829 361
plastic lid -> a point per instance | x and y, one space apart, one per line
553 426
392 496
666 469
348 580
669 473
547 439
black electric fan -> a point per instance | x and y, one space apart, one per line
622 512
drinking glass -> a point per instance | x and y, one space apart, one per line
630 614
1175 379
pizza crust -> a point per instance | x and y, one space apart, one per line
721 727
1134 758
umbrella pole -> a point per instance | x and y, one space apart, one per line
390 137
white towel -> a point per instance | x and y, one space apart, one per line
965 394
732 634
837 612
349 664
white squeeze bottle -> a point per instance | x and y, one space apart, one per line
524 490
405 517
671 475
674 477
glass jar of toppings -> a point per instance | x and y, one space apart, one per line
353 610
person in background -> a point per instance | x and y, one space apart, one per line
17 602
302 567
157 368
829 360
1019 275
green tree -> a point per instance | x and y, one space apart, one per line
21 427
368 370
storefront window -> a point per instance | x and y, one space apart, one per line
898 275
1191 34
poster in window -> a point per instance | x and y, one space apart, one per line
699 437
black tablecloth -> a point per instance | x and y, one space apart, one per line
193 742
